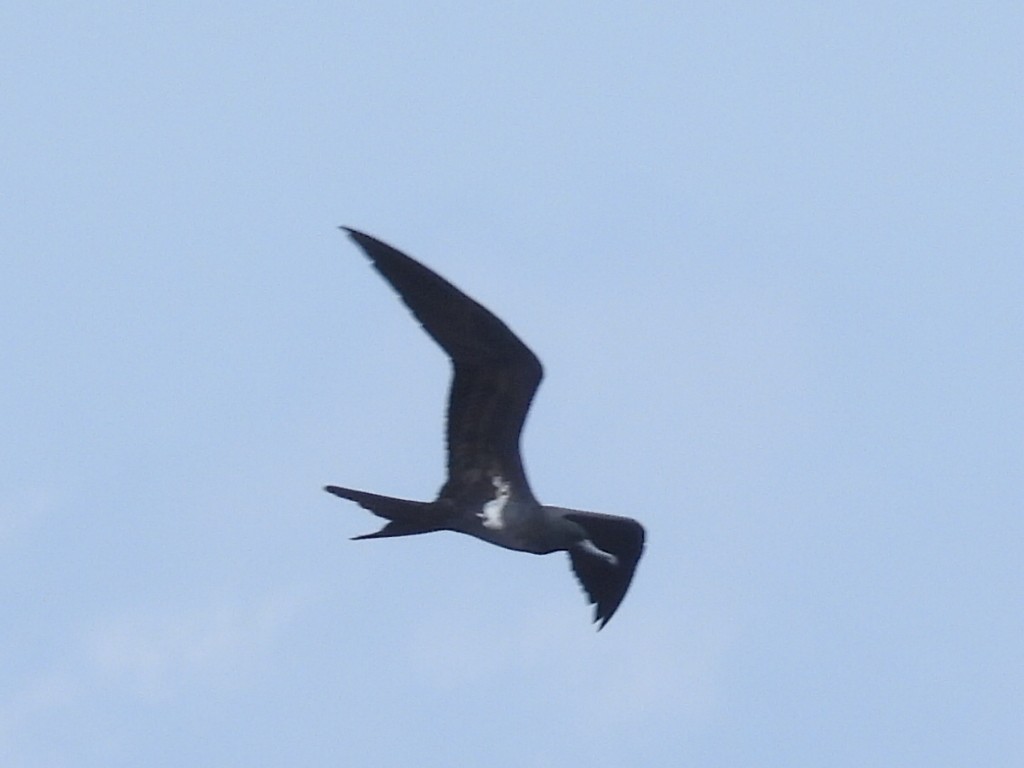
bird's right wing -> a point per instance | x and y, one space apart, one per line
495 375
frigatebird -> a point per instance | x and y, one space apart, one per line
486 494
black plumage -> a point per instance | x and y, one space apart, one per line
486 494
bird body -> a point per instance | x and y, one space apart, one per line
486 494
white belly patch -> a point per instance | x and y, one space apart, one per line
491 512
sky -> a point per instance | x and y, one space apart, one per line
769 253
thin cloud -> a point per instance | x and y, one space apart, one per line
151 654
665 673
154 655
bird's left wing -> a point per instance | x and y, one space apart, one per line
604 583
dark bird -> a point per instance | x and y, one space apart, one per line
486 494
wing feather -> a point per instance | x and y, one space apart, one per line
495 375
606 584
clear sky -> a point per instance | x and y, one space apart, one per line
772 257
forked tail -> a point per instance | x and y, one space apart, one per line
405 517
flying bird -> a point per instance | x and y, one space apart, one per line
486 494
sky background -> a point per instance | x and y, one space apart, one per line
771 254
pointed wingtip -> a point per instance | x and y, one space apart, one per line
601 618
357 235
367 242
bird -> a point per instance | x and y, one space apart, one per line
486 493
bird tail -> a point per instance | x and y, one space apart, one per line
405 517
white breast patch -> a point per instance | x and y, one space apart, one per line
490 514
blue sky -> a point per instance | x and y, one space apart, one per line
771 257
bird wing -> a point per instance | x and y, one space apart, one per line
495 375
604 583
